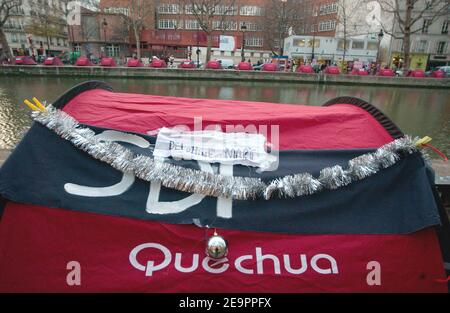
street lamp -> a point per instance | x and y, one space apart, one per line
380 37
105 24
243 28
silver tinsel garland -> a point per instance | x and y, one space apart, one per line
216 185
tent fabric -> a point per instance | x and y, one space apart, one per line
408 204
36 252
340 127
122 252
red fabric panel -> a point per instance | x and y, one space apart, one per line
37 243
301 127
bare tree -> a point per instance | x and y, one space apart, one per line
136 13
208 11
282 18
407 16
7 9
347 19
46 21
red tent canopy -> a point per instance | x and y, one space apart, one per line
108 62
53 61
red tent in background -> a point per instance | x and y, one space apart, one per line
438 74
131 235
24 60
187 64
53 61
416 73
108 62
244 66
334 70
213 65
270 67
157 63
134 63
83 61
386 72
305 68
359 71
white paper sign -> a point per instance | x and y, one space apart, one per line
214 147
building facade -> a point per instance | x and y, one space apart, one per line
429 41
20 34
101 34
330 50
172 29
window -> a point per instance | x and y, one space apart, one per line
441 47
357 44
372 45
327 25
299 42
168 8
254 42
191 24
316 43
328 8
444 29
426 24
224 25
341 44
251 10
167 24
113 50
251 26
421 46
225 10
117 10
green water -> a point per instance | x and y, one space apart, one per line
416 111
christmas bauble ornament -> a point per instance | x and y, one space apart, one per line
216 247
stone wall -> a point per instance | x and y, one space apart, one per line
200 74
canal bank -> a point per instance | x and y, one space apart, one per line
222 75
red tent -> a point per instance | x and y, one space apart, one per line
438 74
83 61
334 70
187 64
213 65
108 62
359 71
132 62
53 61
69 207
157 63
24 60
305 68
270 67
386 72
244 66
416 73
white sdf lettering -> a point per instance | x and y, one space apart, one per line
153 206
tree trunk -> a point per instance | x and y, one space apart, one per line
209 45
407 36
4 42
138 42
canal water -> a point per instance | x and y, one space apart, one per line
416 111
